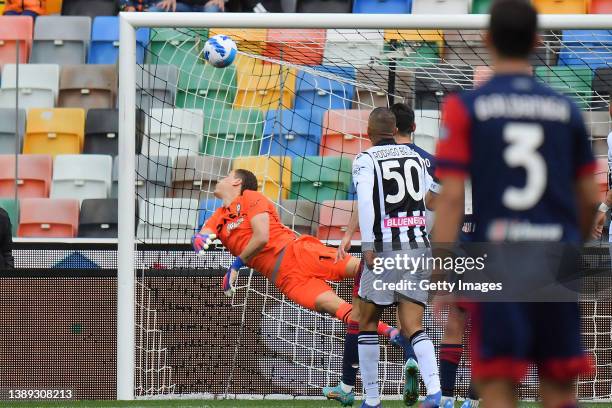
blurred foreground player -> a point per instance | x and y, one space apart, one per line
527 153
249 227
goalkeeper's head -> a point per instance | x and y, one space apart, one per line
512 33
234 184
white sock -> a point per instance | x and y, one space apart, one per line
346 388
369 355
426 357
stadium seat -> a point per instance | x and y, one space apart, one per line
101 132
413 48
153 176
482 74
14 29
11 206
345 132
273 174
481 6
324 6
155 86
99 218
54 131
353 47
602 86
207 209
53 7
465 49
303 46
382 6
377 77
33 175
598 123
291 133
167 219
264 86
600 7
232 133
88 86
302 216
196 176
249 40
560 6
440 6
48 218
12 124
207 87
180 47
427 122
334 217
90 8
82 176
574 82
115 178
173 132
317 178
38 85
317 92
586 48
104 47
60 40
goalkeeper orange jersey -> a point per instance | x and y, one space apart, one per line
233 227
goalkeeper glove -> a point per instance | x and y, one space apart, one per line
201 242
231 276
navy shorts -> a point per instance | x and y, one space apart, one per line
507 337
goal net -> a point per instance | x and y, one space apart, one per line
293 109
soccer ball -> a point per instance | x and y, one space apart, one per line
220 51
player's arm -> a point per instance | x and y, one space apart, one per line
352 226
433 190
363 177
600 218
449 210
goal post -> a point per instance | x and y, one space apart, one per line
129 133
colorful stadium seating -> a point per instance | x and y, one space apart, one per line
153 176
173 132
33 175
481 6
11 206
382 7
61 40
589 48
334 216
304 46
291 133
54 131
560 6
53 6
101 132
48 218
318 178
156 86
14 30
98 218
317 92
232 133
196 176
206 210
104 47
353 47
600 7
249 40
345 132
167 219
91 8
377 77
416 48
12 123
440 6
574 82
81 176
262 85
38 85
302 216
88 86
206 87
273 174
181 47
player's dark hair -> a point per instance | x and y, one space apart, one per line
513 27
249 181
404 117
382 122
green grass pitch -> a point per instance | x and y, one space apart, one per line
220 404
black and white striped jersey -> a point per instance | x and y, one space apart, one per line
391 182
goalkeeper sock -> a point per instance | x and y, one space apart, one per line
344 312
369 356
426 356
350 359
450 355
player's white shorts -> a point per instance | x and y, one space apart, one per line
402 279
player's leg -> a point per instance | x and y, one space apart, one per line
558 394
500 393
411 322
369 352
451 349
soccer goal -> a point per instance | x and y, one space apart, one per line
293 109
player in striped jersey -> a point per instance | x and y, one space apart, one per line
393 187
605 206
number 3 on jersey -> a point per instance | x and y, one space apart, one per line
524 140
389 172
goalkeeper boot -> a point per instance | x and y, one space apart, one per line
337 393
447 402
432 401
411 384
470 403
